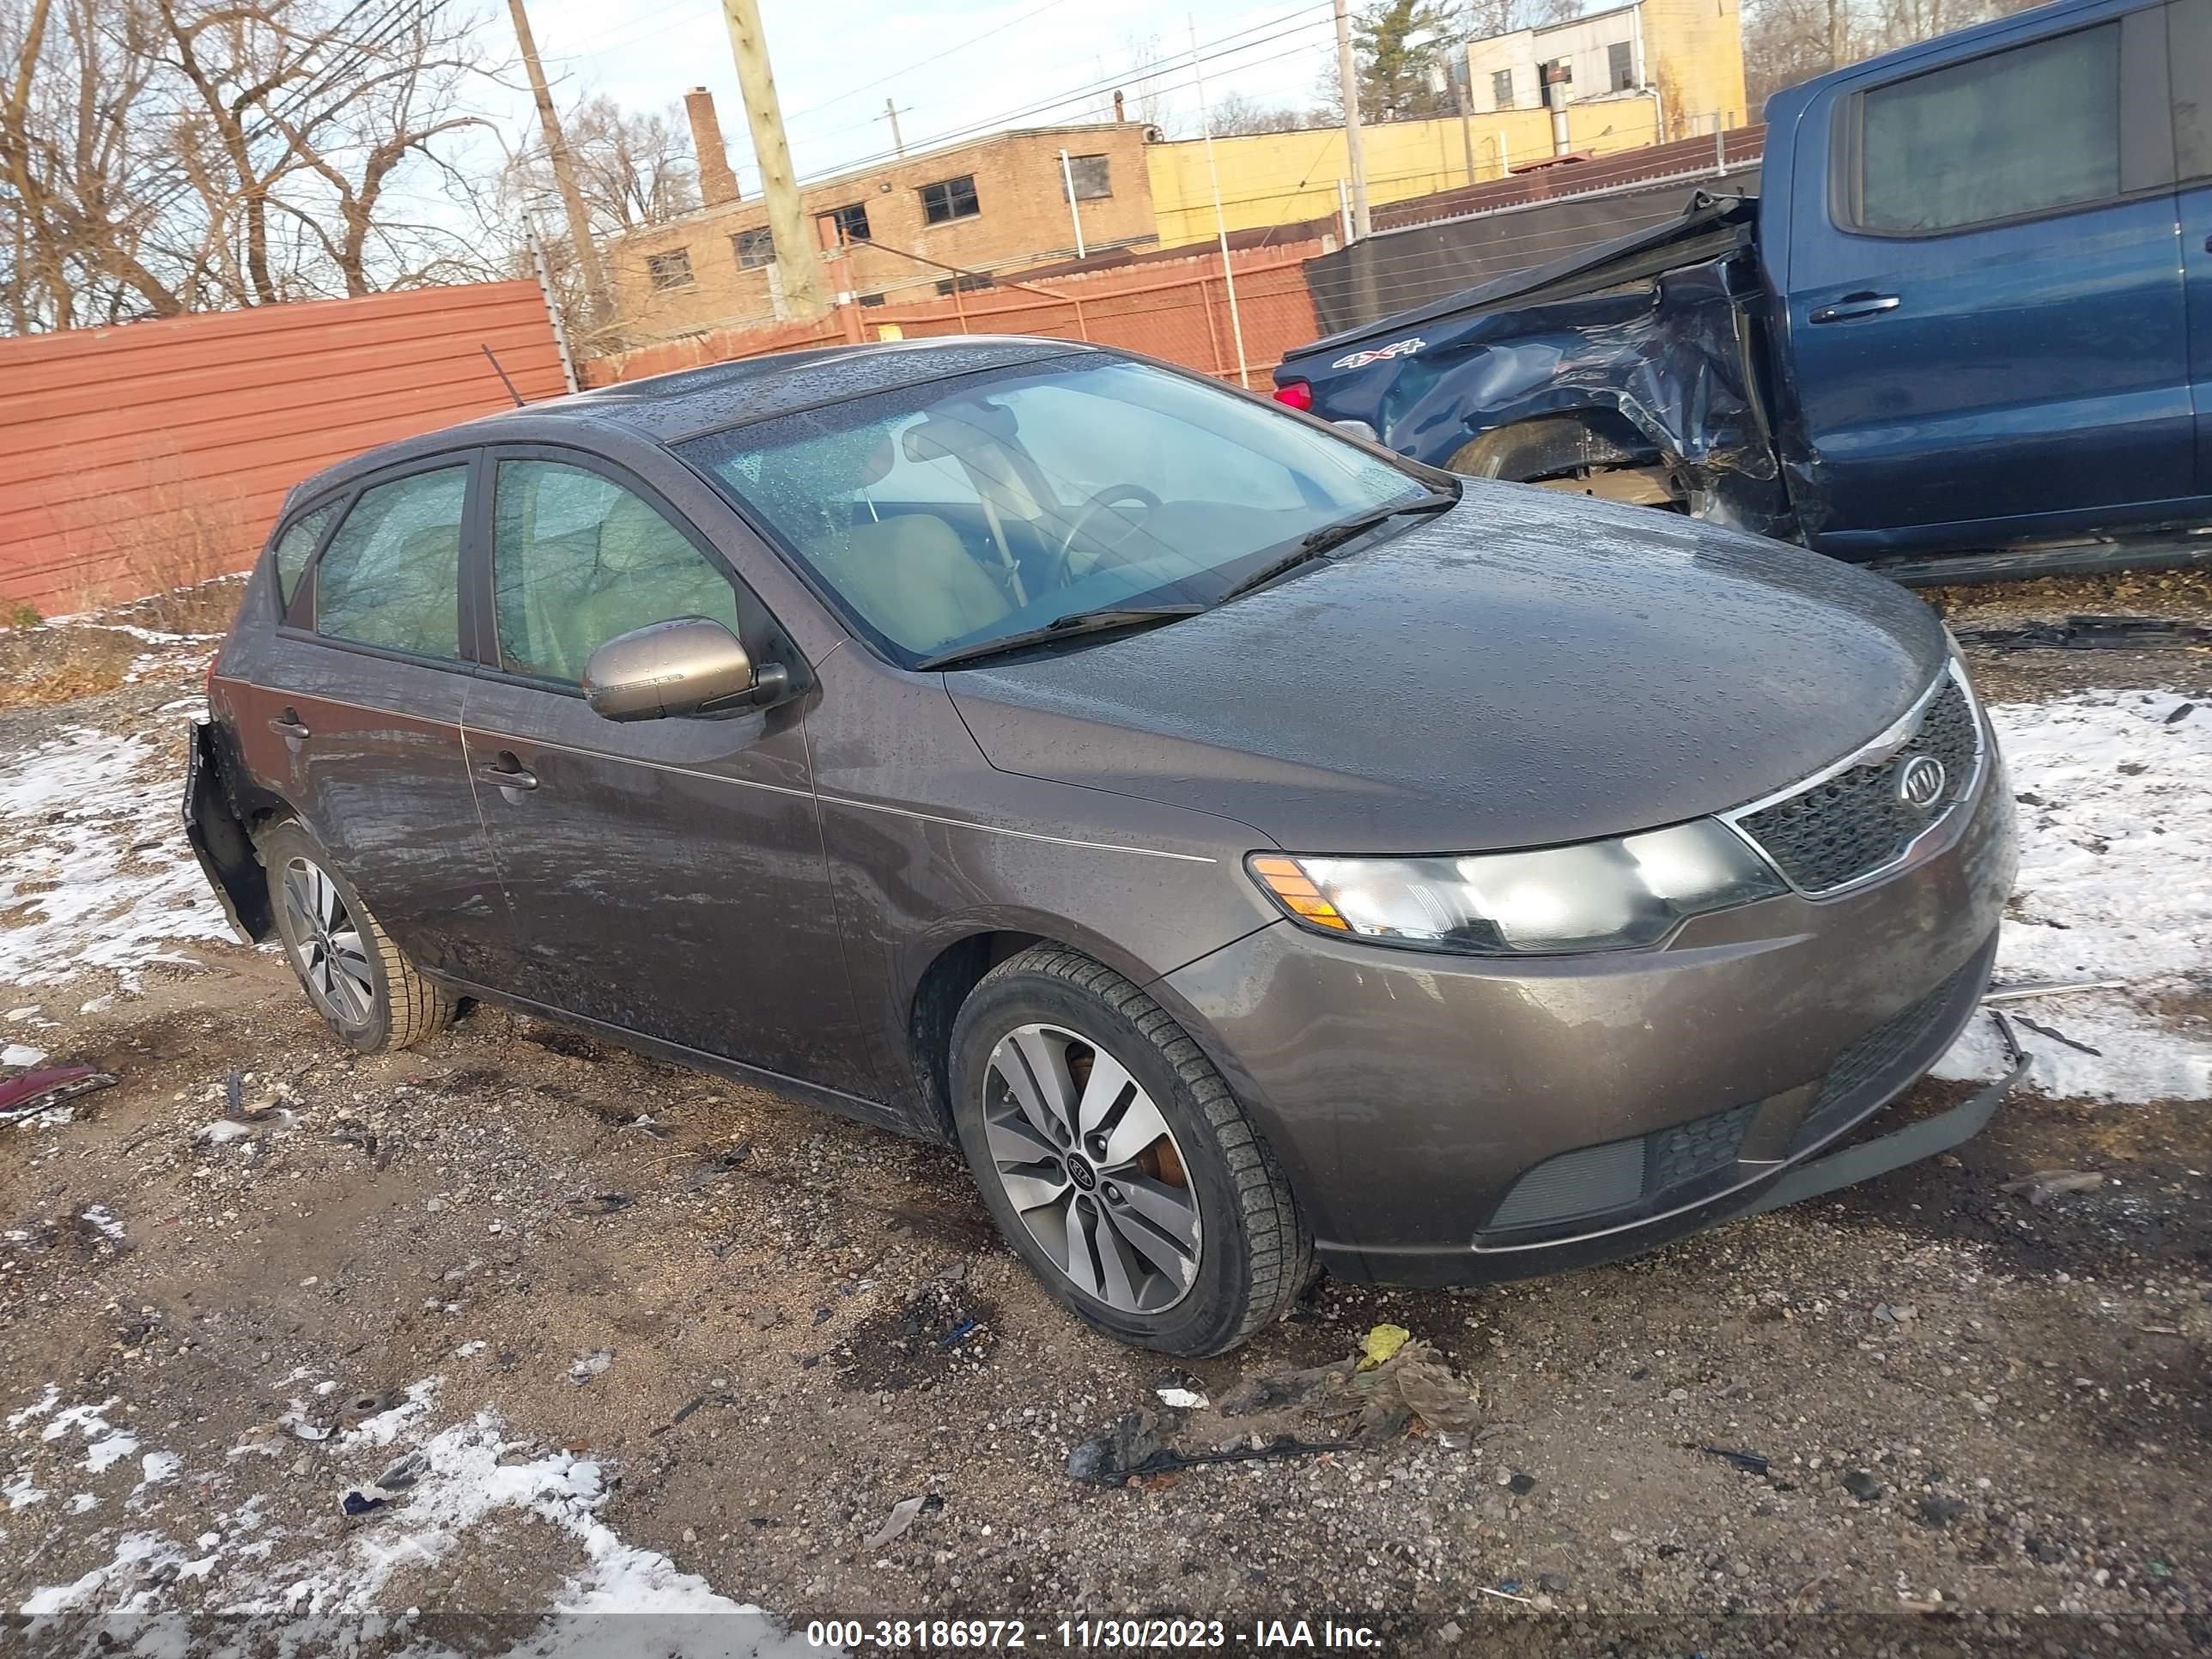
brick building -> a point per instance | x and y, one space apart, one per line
989 207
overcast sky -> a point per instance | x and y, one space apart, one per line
1001 64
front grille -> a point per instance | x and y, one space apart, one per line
1855 822
1866 1062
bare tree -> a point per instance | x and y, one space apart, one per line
1786 41
79 181
1479 19
167 155
1236 114
633 170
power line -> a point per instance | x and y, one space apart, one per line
1003 28
1180 66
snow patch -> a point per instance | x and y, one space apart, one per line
106 1445
326 1589
104 1218
2115 883
97 873
21 1494
38 1407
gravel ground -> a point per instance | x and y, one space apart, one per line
670 1346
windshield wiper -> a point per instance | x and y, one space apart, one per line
1315 544
1062 628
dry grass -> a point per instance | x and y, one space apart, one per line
40 665
46 663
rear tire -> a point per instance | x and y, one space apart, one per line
1187 1242
361 982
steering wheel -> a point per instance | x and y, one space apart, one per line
1098 503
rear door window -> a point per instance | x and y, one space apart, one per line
577 559
391 575
2028 131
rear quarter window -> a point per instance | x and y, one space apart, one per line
296 546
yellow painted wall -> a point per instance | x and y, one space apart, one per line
1280 178
1694 57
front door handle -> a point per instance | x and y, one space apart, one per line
288 726
1857 305
507 773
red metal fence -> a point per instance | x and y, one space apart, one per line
1178 309
147 456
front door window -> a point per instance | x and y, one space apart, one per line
577 559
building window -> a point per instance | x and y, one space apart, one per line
1501 88
671 270
951 199
1093 179
847 224
871 298
969 282
1557 76
755 248
1620 66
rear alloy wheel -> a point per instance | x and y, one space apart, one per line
1116 1162
357 979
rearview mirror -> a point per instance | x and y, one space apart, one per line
691 666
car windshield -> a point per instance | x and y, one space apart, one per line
944 516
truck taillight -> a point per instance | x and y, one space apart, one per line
1296 393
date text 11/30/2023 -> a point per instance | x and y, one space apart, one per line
1085 1635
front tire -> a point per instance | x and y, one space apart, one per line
1116 1162
361 982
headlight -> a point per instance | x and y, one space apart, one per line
1593 896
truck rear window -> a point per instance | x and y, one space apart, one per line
2016 133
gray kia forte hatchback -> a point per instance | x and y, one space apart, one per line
1248 846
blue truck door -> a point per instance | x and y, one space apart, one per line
2189 36
1985 308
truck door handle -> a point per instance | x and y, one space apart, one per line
1856 305
288 726
507 773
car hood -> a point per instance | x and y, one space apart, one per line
1525 669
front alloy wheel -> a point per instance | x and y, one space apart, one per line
1116 1161
1092 1169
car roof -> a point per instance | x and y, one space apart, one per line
667 409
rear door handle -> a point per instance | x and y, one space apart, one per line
287 726
1857 305
507 773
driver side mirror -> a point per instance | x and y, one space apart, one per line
691 666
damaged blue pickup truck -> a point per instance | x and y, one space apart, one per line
1971 308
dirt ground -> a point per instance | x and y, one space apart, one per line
1973 1418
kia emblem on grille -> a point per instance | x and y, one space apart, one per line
1920 782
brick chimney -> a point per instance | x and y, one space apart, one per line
718 185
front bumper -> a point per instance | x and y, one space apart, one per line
1450 1118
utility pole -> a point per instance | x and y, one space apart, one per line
1347 79
891 113
1220 222
1462 77
564 173
798 265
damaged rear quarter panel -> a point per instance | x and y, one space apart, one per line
1667 355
